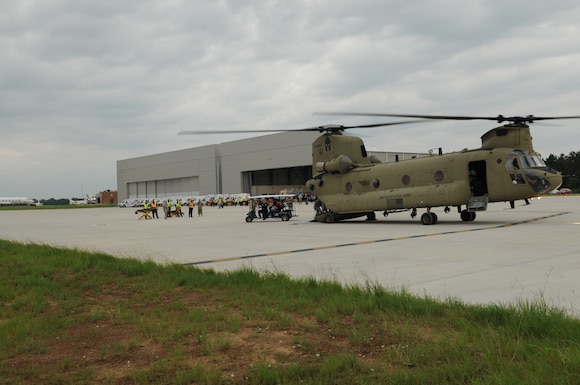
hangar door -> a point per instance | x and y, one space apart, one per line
188 186
272 180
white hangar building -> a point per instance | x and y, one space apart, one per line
258 165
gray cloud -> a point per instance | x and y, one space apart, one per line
83 84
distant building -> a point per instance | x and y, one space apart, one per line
108 197
260 165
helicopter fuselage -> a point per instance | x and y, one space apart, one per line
348 188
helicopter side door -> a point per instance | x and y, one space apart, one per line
478 186
478 178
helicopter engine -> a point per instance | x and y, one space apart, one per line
339 165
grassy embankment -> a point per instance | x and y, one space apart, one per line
75 317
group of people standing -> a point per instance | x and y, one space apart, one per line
168 206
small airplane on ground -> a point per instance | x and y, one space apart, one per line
17 201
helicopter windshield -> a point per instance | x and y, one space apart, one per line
522 159
532 161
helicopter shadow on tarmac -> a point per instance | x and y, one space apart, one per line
415 222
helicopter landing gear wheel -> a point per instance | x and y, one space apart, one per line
435 219
329 218
429 218
371 216
467 216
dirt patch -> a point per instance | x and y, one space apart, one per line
114 349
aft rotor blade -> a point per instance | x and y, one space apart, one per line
554 117
327 127
384 124
196 132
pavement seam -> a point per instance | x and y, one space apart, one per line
360 243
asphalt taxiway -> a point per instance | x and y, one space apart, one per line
529 253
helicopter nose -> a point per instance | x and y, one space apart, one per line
543 181
555 180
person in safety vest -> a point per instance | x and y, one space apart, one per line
167 207
154 209
178 208
190 205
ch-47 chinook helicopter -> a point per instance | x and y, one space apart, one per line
349 183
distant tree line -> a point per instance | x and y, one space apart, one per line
55 202
569 166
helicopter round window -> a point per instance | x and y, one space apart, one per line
439 176
376 183
406 179
348 187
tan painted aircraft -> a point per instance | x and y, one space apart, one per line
349 183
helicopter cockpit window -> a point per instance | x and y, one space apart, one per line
348 187
521 160
376 183
533 161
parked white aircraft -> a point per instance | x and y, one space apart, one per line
77 201
17 201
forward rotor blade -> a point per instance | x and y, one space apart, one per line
499 118
442 117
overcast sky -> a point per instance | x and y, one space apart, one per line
86 83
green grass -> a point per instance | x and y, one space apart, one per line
69 316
